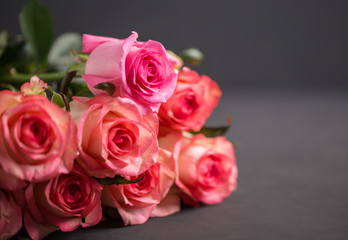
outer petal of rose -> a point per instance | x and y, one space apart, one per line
132 216
90 42
9 98
169 205
93 217
9 182
35 229
10 216
108 60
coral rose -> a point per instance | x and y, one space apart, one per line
139 70
135 202
206 169
114 137
65 202
192 103
37 140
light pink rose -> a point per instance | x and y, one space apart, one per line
37 140
206 169
135 202
139 70
192 103
10 216
114 137
65 202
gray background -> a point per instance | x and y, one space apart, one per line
283 68
247 42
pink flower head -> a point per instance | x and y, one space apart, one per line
206 169
65 202
10 216
135 202
34 87
192 103
37 140
114 137
139 70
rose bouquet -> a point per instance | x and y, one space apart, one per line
124 136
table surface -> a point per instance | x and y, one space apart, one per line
292 156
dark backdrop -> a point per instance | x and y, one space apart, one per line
248 43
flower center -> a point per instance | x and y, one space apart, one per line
185 106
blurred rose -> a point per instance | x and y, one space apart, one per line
114 137
10 216
65 202
192 103
135 202
139 70
206 169
37 139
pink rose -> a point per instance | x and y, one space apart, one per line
37 139
10 216
65 202
139 70
192 103
206 169
136 202
114 137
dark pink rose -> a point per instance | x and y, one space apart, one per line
114 137
141 71
10 216
64 202
136 202
206 169
192 103
37 139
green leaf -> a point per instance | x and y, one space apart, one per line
59 56
36 25
108 87
58 99
118 180
213 131
4 37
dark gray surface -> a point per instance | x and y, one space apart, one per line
293 184
246 42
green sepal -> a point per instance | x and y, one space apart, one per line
118 180
56 98
79 67
212 131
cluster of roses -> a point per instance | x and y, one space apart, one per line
51 159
